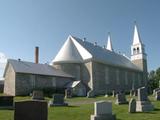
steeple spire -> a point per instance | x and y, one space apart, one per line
136 37
109 43
138 55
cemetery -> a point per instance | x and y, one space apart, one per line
79 60
77 108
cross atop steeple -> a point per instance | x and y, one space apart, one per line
109 43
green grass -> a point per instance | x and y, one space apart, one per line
81 108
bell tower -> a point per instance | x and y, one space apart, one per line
138 55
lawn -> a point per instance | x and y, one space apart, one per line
81 108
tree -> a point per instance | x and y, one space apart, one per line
152 82
158 75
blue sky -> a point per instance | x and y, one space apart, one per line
25 24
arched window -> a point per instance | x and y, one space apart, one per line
134 50
137 49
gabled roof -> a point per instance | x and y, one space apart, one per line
73 84
72 51
94 52
33 68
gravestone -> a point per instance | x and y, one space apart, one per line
135 92
58 100
121 99
68 93
113 93
103 111
131 93
6 102
155 90
90 94
132 106
31 110
106 95
157 97
142 94
143 104
37 95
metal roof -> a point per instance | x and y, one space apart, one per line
73 84
33 68
87 50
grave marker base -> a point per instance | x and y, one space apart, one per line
103 117
144 106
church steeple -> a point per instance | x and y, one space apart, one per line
137 48
136 37
109 43
138 55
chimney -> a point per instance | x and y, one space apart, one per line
36 55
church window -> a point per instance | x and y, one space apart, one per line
133 81
117 77
134 50
137 49
139 79
126 78
33 82
106 75
53 81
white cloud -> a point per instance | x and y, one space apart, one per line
3 61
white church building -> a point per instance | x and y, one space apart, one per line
101 69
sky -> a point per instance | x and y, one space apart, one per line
25 24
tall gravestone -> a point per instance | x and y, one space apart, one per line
103 111
133 92
155 90
121 99
113 93
157 97
132 106
143 104
68 93
31 110
90 94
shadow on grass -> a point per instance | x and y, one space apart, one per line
156 109
151 112
118 119
6 109
69 106
72 106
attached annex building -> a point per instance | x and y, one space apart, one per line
22 77
102 69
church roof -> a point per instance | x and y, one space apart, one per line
72 51
33 68
86 50
73 84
